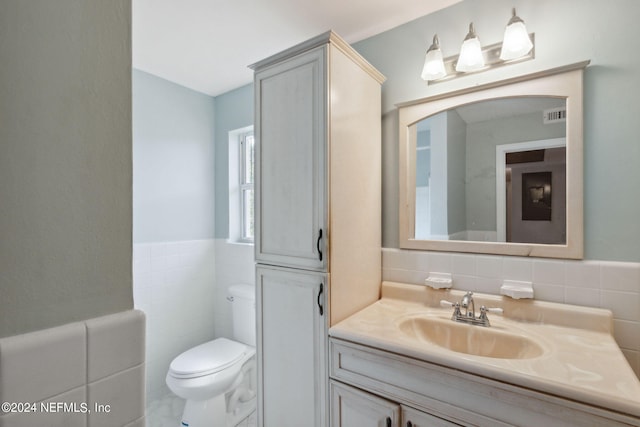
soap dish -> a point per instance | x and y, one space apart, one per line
517 289
439 280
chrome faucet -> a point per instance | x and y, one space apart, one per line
470 316
466 301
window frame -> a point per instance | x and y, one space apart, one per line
244 185
238 187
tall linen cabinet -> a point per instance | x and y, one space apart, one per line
317 217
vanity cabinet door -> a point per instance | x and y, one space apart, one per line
291 145
291 348
351 407
414 418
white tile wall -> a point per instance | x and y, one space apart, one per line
234 265
174 284
95 361
114 344
182 287
41 364
123 408
42 418
605 284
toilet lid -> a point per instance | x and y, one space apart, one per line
207 358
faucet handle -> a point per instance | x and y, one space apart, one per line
445 303
456 308
484 310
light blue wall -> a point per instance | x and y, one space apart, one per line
423 158
438 186
567 31
456 173
234 110
173 161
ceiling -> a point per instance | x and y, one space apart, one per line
206 45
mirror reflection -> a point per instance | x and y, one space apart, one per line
493 171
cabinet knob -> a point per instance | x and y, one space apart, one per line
388 421
409 424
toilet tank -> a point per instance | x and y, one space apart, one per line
243 307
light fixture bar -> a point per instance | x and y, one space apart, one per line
492 60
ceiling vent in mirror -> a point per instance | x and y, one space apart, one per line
554 115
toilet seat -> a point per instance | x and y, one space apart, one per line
208 358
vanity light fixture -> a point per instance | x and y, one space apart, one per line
433 64
470 58
516 42
517 46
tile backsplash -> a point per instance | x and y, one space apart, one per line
611 285
182 287
174 284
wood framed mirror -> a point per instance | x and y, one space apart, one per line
495 169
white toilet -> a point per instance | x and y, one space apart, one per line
217 378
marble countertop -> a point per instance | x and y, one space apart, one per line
580 358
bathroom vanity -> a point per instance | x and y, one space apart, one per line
404 362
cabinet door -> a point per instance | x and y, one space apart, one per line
290 130
414 418
351 407
292 348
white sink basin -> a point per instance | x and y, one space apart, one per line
470 339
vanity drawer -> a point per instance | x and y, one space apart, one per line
458 396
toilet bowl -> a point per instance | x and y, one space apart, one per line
217 378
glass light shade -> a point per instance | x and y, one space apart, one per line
516 42
470 58
433 63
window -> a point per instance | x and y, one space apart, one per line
246 186
241 173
